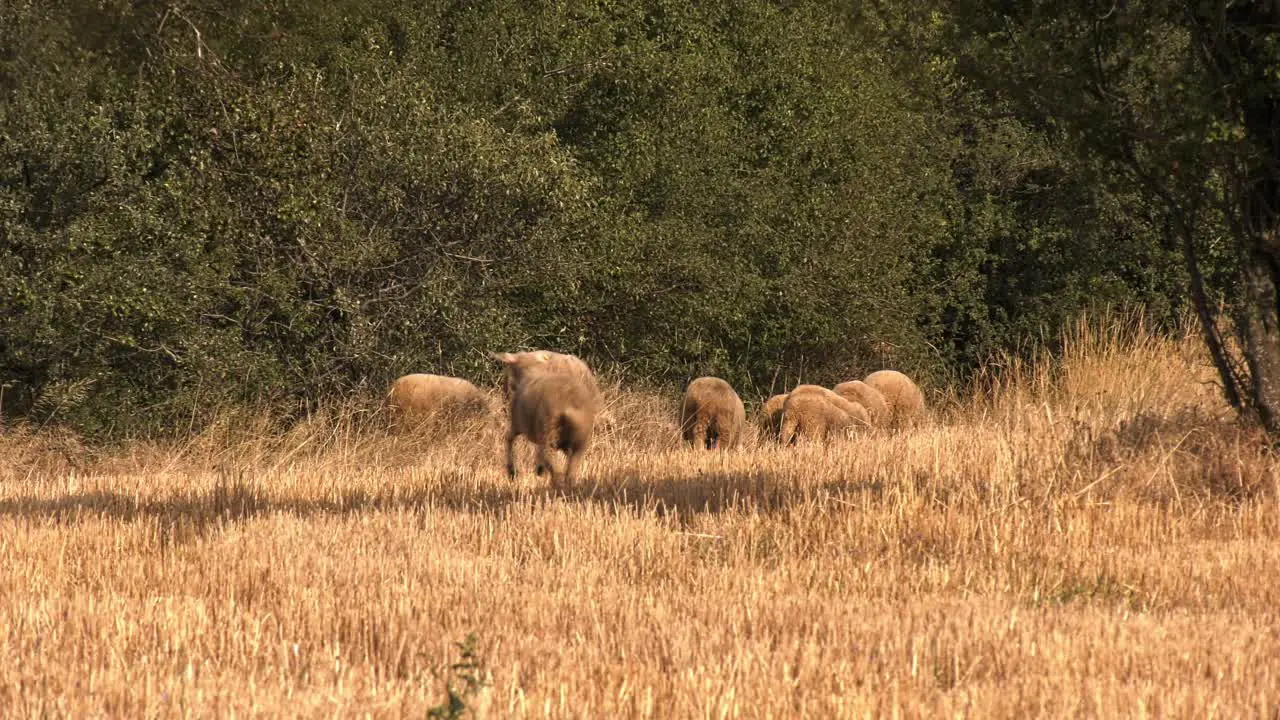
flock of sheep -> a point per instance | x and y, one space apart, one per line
554 401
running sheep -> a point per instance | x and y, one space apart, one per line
553 404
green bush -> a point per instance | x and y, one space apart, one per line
280 203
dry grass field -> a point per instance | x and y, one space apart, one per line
1091 536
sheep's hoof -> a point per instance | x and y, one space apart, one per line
511 472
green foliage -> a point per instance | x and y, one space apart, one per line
1035 232
282 202
1179 101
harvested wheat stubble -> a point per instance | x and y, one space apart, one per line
1058 544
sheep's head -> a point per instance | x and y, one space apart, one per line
518 365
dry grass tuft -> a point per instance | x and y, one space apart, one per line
1092 535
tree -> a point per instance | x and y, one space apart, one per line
281 203
1182 97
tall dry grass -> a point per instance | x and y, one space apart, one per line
1084 536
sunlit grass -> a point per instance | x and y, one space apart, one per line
1088 536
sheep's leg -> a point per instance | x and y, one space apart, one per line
688 425
715 433
700 434
571 465
511 455
789 433
544 461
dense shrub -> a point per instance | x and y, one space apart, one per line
280 202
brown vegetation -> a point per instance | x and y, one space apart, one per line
1089 537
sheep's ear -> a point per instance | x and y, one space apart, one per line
504 357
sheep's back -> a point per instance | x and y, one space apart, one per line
903 397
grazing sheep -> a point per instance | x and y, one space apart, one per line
905 401
712 414
554 410
543 361
771 415
814 416
866 396
853 409
420 397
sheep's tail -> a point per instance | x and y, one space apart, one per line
694 427
575 431
711 432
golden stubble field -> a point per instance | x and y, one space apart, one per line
1091 537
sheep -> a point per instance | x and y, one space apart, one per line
712 414
543 361
551 408
815 416
866 396
771 415
416 398
852 408
905 401
815 412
